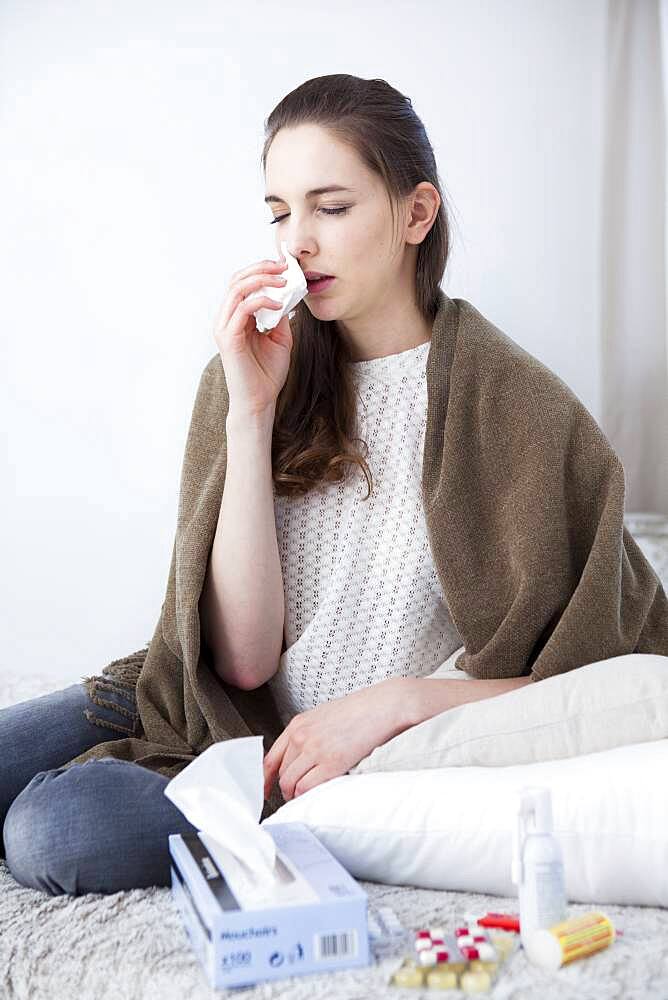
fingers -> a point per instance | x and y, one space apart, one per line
295 773
282 754
262 266
245 307
272 760
314 777
237 307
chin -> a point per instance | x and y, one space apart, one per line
322 309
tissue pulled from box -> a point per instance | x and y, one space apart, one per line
289 294
222 793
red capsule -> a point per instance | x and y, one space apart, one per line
505 921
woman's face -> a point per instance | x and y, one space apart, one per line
345 233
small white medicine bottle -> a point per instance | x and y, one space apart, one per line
537 865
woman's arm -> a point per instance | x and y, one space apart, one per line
326 741
424 697
242 602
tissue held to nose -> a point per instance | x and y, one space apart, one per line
222 793
288 295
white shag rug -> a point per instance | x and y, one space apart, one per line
132 945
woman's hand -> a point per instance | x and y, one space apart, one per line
256 364
326 741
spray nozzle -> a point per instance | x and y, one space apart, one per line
534 815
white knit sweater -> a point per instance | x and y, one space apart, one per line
362 598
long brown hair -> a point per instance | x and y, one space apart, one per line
314 422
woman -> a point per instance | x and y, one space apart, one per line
296 607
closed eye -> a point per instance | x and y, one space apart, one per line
327 211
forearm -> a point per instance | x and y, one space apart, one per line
242 604
425 697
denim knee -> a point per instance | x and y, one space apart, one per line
90 828
43 835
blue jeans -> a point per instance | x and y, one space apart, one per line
101 826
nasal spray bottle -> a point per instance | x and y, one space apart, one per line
537 866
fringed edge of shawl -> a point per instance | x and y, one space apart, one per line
119 677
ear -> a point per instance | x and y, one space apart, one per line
424 207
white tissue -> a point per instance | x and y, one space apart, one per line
222 793
289 294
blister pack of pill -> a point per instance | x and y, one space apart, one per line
470 959
386 932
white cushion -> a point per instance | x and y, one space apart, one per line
451 828
610 703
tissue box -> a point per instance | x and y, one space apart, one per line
316 921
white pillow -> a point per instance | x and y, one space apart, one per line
451 828
601 705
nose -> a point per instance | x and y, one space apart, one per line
300 245
302 256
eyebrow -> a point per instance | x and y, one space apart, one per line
313 193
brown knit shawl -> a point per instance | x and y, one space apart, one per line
524 504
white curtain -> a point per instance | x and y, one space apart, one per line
634 332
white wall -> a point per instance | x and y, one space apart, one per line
131 189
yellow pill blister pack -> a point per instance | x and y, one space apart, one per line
470 960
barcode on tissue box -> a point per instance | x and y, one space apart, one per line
339 945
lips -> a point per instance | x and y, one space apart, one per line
316 276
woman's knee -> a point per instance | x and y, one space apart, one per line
78 829
43 733
34 835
